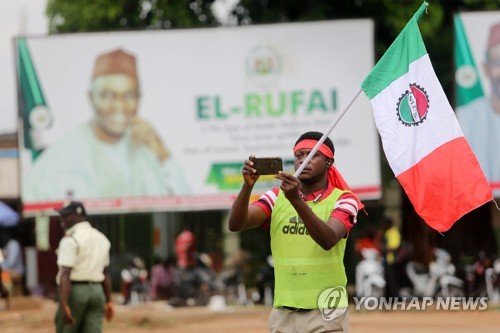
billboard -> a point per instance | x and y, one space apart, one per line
477 78
163 120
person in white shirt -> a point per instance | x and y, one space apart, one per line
115 154
83 278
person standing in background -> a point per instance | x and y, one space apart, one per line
391 245
185 249
13 263
193 279
163 279
83 278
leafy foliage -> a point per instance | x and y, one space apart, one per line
106 15
390 16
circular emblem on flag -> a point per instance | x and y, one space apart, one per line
39 117
413 106
466 76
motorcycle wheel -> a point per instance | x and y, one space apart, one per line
377 292
453 291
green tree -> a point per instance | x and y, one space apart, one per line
389 17
107 15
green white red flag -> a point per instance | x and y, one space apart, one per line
420 134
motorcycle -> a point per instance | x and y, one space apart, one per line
370 274
475 275
492 277
265 283
232 279
438 281
194 285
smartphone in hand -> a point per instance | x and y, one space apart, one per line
268 165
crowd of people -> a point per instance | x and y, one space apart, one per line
187 278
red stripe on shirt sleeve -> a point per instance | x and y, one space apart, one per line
268 199
344 217
264 206
347 195
345 206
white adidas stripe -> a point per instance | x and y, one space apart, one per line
349 208
270 197
353 202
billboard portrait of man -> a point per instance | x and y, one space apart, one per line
134 121
115 154
480 117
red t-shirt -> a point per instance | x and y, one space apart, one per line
345 210
185 249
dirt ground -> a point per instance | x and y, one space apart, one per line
36 315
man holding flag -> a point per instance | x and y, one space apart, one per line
422 140
309 218
427 152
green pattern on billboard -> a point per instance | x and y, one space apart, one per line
467 82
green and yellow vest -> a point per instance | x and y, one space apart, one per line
302 268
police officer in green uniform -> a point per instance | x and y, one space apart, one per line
83 278
309 218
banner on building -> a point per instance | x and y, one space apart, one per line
477 78
143 121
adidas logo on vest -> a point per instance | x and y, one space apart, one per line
295 226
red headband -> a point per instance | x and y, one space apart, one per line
310 143
334 176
